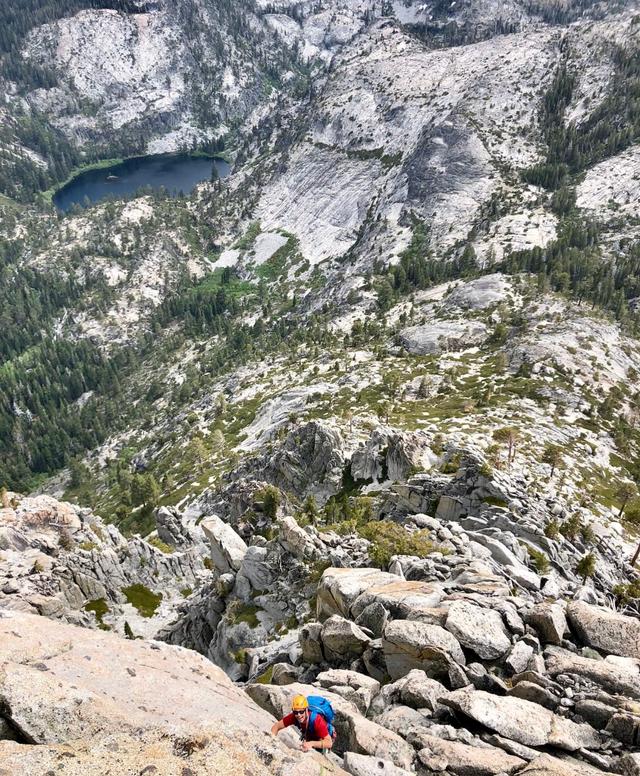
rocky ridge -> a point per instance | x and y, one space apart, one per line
469 657
472 634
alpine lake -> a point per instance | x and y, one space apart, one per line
177 173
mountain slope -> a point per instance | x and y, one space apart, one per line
359 420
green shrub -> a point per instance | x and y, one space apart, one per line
240 656
571 527
587 534
143 599
291 622
237 612
156 542
539 559
626 593
495 501
632 512
486 471
266 677
309 514
317 569
99 607
344 514
552 529
271 499
343 528
452 465
389 539
586 566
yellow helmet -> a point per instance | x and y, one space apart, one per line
299 703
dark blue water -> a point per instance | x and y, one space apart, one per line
174 172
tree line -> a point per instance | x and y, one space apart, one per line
611 127
62 398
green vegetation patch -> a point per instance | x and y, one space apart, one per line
240 656
143 599
100 608
266 677
249 237
248 613
389 539
495 501
219 278
160 545
238 417
277 264
387 160
538 558
626 593
140 521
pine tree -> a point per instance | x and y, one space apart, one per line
626 491
310 509
509 436
586 566
271 499
423 388
552 454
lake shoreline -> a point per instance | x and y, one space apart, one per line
104 164
109 165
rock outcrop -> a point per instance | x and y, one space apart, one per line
93 700
522 721
64 562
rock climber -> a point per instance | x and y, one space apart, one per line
311 724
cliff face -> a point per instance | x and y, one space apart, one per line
173 74
131 68
163 76
64 562
401 131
